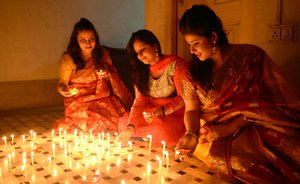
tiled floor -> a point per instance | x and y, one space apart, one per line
74 162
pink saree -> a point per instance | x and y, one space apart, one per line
250 87
100 102
171 127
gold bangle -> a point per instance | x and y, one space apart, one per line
190 133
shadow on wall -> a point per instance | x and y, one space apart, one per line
121 60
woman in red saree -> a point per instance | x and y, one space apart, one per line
249 128
95 96
158 107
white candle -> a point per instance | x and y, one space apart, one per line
75 134
159 167
52 134
49 159
1 176
164 146
65 135
167 159
59 132
34 136
5 143
53 150
91 133
117 137
130 145
23 139
122 182
24 162
12 139
31 132
32 153
150 142
9 161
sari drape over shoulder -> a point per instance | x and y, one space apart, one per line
164 91
100 102
249 86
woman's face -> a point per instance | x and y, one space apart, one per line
201 46
87 41
146 53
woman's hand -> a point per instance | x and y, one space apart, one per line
126 134
150 116
220 130
186 146
103 74
66 91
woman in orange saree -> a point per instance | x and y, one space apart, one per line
95 97
249 128
158 107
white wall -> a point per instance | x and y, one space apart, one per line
34 33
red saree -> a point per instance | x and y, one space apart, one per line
171 127
100 102
249 87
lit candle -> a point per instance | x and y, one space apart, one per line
23 139
59 132
159 167
148 172
73 91
12 139
164 146
1 176
24 162
52 134
32 153
130 145
9 161
31 132
5 143
167 159
34 136
91 133
150 142
53 150
117 137
75 133
49 159
122 182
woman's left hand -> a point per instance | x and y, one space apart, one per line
150 116
103 74
215 131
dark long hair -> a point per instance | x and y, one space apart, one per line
140 71
202 21
73 48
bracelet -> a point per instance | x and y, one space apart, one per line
189 133
163 111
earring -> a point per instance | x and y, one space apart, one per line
214 49
156 53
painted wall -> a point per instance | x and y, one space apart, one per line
34 33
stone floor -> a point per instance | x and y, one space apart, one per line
31 152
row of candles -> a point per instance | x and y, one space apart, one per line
81 145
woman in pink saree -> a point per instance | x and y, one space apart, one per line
158 107
249 129
95 97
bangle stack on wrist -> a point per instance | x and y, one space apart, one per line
193 133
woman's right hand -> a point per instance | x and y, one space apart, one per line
186 146
65 91
126 134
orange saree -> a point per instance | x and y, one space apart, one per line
164 91
100 102
250 87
